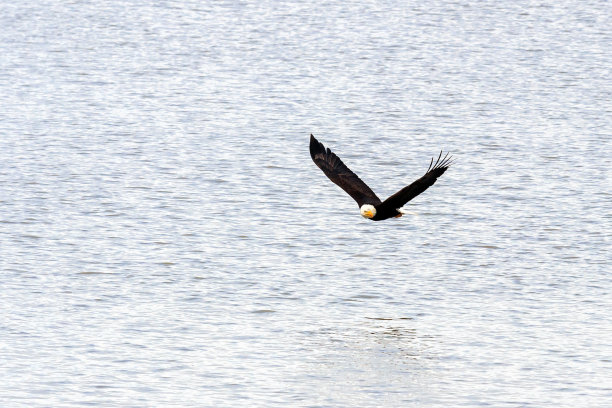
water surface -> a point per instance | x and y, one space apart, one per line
165 239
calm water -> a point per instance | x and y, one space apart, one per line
166 240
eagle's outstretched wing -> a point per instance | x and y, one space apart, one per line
337 172
407 193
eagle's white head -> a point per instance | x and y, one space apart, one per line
367 211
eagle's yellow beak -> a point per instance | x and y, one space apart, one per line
368 214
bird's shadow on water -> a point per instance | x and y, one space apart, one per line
397 337
378 341
365 356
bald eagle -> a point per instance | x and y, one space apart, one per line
369 204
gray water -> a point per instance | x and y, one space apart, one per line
166 240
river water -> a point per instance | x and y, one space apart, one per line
166 240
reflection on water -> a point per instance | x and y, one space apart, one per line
383 355
166 240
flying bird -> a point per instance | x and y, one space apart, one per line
370 205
